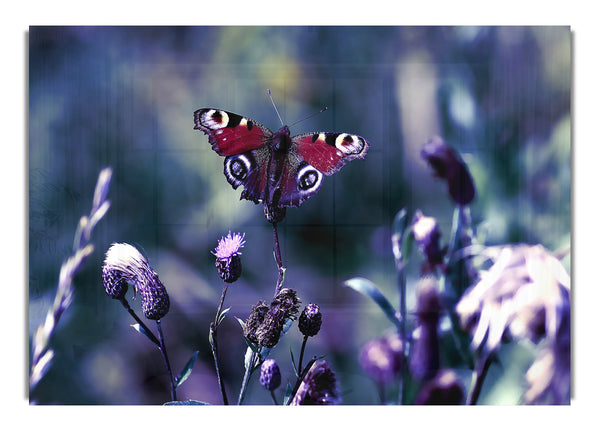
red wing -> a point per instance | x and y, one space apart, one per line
328 152
230 133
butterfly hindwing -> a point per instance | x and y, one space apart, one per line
327 151
230 134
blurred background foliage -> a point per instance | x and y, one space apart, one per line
124 97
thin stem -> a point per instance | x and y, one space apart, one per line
302 355
480 375
247 375
163 351
139 321
279 261
214 348
273 397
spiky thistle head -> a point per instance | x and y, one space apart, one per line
227 252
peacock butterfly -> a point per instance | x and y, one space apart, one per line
274 168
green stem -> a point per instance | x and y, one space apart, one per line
302 354
480 374
163 351
139 321
247 375
214 347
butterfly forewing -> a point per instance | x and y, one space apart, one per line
230 133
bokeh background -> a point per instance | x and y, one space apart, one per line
124 97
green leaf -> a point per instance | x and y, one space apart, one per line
142 331
187 370
368 288
187 403
288 393
400 222
223 315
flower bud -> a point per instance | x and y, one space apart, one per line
425 359
114 284
270 376
382 358
444 389
427 236
319 387
125 264
447 164
155 299
309 321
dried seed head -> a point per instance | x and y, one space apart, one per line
256 317
309 321
284 306
270 375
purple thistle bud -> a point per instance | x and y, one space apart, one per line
427 236
444 389
228 263
319 387
114 284
382 358
270 376
447 164
155 299
309 321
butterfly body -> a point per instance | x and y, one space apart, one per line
276 169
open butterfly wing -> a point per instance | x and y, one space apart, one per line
230 133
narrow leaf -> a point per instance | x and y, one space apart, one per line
142 331
223 314
187 370
288 393
368 288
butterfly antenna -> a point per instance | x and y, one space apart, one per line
310 116
271 97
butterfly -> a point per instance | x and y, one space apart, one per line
276 169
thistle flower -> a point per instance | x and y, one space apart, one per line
525 293
270 375
425 359
319 387
125 264
427 236
228 263
444 389
309 321
382 358
447 164
284 306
